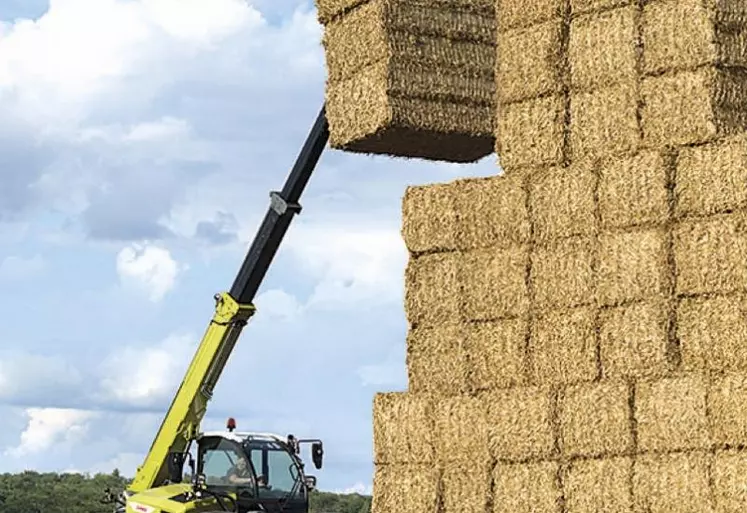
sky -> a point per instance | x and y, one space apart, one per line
139 140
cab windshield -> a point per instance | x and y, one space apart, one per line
277 471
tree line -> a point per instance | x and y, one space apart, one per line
49 492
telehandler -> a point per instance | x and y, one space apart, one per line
271 475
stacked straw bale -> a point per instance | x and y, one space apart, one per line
410 78
578 325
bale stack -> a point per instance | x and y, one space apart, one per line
578 325
410 78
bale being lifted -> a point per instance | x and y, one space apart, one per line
410 78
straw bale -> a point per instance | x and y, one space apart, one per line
402 428
429 219
519 422
592 486
634 341
527 488
693 106
563 347
562 273
497 354
595 419
602 49
531 133
466 488
633 191
687 34
437 360
672 483
407 11
728 471
562 202
712 178
408 488
461 432
633 265
520 13
529 62
432 289
605 122
584 6
494 284
713 333
727 406
671 414
492 212
711 254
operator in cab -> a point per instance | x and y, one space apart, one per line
240 473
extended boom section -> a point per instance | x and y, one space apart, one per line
232 312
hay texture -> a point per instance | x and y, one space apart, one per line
596 485
497 355
461 430
437 360
711 254
693 107
672 483
712 178
713 333
407 488
527 488
595 419
519 13
399 86
686 34
728 471
579 7
402 428
727 406
562 273
466 488
422 230
432 289
671 414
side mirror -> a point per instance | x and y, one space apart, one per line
310 482
317 454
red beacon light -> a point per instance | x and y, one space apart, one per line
231 424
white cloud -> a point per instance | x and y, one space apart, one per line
50 374
146 376
48 427
276 303
126 462
359 488
19 268
148 268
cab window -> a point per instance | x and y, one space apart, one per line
218 461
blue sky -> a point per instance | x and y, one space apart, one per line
138 142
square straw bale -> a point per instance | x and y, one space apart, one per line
727 407
437 360
402 428
466 487
729 469
693 107
691 33
519 423
432 289
492 212
605 122
585 6
527 488
672 483
633 190
461 432
563 347
711 254
712 178
408 488
497 356
633 265
602 49
429 219
634 341
595 419
494 282
671 414
713 333
520 13
530 133
596 485
529 62
562 201
562 273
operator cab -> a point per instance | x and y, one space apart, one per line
263 470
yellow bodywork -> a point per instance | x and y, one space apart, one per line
162 500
